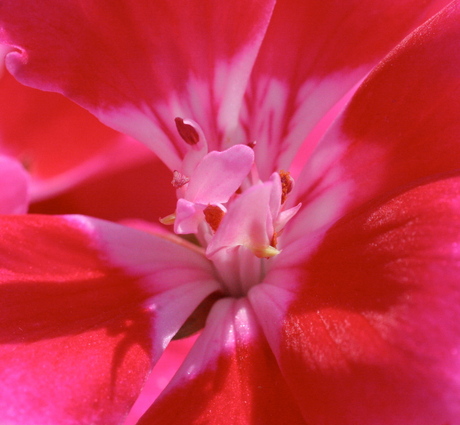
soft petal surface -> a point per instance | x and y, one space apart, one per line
402 126
219 175
164 370
313 53
14 189
59 143
86 308
248 223
138 65
230 373
141 190
369 322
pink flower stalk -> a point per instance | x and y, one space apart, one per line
329 297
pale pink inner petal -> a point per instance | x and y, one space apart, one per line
249 222
188 217
219 175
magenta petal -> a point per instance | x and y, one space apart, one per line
14 192
138 65
313 53
229 373
370 332
86 307
162 373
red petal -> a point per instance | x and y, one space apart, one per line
402 125
85 306
138 65
230 374
372 336
313 53
142 191
58 142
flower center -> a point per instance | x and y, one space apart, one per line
236 217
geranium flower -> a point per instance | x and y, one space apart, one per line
328 297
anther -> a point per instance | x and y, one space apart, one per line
168 220
179 179
265 251
187 132
213 215
287 183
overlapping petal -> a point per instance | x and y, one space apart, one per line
141 190
402 126
58 142
313 53
369 331
230 374
85 309
164 370
138 65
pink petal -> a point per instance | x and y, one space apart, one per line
86 306
230 374
313 53
188 216
14 192
162 373
369 322
58 142
138 65
219 175
248 222
401 127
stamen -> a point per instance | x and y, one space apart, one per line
213 215
187 132
265 252
179 179
287 183
168 220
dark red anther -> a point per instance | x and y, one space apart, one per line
187 132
